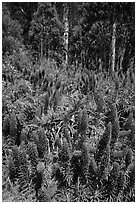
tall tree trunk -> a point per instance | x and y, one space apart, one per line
113 47
66 32
121 51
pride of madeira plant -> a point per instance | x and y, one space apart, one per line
68 103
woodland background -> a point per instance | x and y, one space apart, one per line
68 101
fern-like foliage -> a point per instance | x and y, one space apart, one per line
33 155
82 121
115 132
129 122
56 97
15 156
128 158
13 126
103 142
130 172
64 153
105 163
57 142
41 142
131 138
112 182
85 162
29 111
93 173
84 83
43 197
99 102
46 102
129 189
23 135
92 82
115 171
59 176
6 126
66 134
38 178
76 166
113 115
12 169
23 171
121 182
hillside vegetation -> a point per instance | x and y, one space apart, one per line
68 110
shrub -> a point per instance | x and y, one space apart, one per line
42 143
33 156
23 171
13 126
128 158
115 132
46 102
12 169
103 142
82 121
6 126
64 153
76 165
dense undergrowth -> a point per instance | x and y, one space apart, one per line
67 136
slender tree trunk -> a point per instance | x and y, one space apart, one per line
66 32
121 51
113 47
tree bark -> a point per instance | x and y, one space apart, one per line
66 33
113 47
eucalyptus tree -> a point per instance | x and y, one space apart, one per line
104 33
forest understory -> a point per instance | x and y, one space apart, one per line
68 109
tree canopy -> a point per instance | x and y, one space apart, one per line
40 28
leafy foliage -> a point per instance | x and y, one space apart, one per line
68 133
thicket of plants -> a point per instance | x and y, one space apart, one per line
68 126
